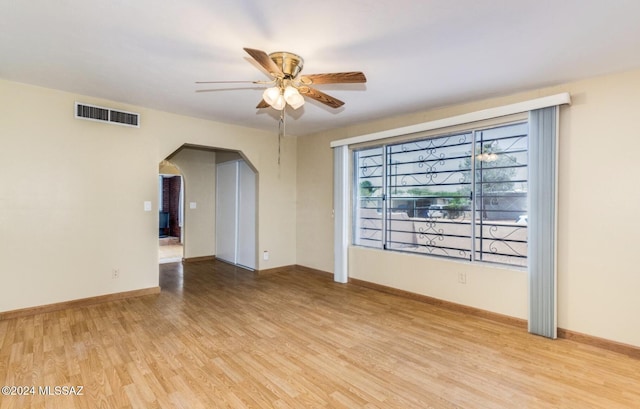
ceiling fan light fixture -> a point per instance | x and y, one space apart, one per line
279 103
289 87
270 95
293 97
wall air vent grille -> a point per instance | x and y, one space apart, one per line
102 114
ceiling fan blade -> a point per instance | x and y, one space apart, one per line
226 89
263 59
334 78
321 96
262 104
226 82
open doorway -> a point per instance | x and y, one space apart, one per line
202 203
171 212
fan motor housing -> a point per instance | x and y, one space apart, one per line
290 64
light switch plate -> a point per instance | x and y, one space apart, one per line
192 205
147 206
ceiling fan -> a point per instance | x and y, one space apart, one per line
288 86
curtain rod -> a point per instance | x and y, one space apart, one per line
519 107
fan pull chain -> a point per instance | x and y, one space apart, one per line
281 130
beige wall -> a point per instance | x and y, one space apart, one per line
227 156
598 216
314 246
73 194
198 167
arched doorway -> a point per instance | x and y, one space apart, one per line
198 165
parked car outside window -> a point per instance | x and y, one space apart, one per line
437 211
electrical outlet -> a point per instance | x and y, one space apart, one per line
462 278
115 273
265 255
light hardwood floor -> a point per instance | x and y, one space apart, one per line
222 337
170 250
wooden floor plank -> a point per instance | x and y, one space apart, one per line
222 337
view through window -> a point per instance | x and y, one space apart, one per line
461 195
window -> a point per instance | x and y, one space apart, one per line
461 195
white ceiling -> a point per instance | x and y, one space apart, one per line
417 55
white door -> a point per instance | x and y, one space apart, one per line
236 214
